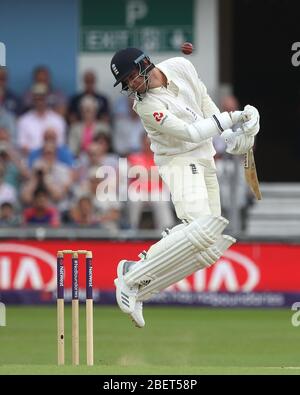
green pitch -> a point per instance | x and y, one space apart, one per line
174 341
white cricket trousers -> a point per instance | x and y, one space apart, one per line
194 187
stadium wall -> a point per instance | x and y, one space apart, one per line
248 275
40 32
205 56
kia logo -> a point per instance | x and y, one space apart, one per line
27 269
234 272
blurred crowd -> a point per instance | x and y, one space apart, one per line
52 147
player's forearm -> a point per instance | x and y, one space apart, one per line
196 132
209 127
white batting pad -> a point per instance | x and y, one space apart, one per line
212 254
171 251
193 263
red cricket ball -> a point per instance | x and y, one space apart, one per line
187 48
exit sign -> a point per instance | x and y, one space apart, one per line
153 25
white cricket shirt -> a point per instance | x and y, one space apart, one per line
32 126
166 111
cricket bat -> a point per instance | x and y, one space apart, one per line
251 174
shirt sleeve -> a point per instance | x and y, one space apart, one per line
54 217
23 138
158 118
208 107
61 130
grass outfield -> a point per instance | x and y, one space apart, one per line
174 341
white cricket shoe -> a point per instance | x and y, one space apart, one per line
137 315
125 294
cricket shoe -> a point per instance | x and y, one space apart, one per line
125 294
137 315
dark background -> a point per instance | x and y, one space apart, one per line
263 75
258 37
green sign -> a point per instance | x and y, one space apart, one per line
153 25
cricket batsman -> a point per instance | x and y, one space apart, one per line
180 119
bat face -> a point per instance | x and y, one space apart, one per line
251 174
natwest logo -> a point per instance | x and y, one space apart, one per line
26 267
234 272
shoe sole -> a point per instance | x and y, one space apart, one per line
135 323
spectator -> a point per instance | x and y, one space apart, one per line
128 128
55 99
89 82
51 175
32 125
63 153
149 192
14 169
8 193
103 192
8 99
41 212
83 214
8 217
97 155
8 122
82 132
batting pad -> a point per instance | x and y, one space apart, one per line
171 251
193 263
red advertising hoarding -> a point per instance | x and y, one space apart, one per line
244 268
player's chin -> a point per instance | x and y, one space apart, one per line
141 89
